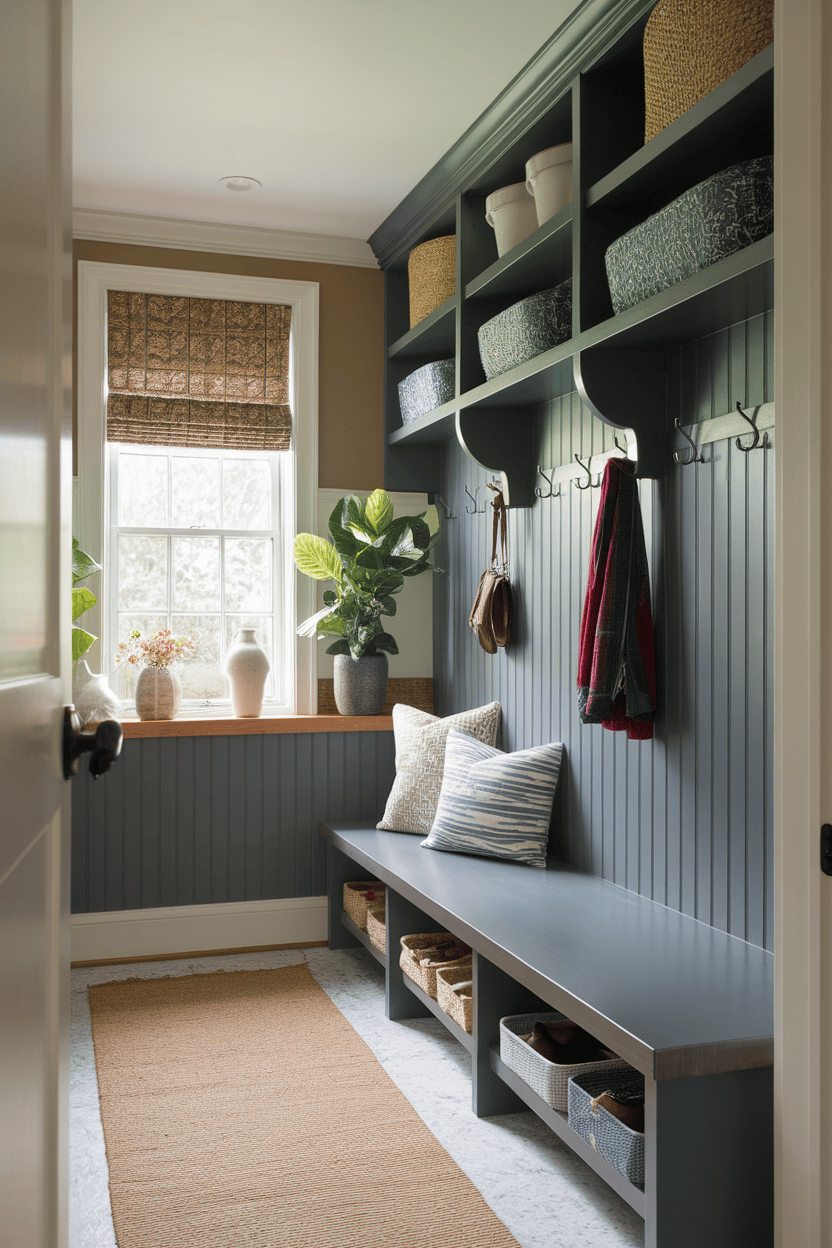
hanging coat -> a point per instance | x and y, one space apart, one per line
616 663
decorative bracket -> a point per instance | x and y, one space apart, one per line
628 389
499 439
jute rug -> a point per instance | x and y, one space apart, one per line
241 1108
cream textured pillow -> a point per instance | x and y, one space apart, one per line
420 760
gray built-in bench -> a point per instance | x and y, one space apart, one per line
688 1006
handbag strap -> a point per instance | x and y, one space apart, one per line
499 506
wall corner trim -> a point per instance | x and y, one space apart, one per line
235 240
190 929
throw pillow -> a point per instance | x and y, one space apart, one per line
496 804
420 759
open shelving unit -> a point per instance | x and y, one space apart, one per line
617 363
362 938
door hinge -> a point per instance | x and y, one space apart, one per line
826 849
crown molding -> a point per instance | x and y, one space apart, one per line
236 240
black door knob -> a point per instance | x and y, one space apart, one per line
103 746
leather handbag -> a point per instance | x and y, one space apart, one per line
490 616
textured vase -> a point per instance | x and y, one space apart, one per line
246 666
95 700
360 684
158 693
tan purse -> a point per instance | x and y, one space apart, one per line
490 616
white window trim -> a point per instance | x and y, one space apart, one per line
90 521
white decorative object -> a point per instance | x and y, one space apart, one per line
549 180
158 693
246 666
511 214
95 700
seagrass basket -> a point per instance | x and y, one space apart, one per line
431 276
451 981
548 1079
691 46
422 970
377 925
358 895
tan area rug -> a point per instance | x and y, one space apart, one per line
241 1108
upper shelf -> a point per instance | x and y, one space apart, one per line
531 265
436 333
733 123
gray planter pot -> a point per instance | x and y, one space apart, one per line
360 684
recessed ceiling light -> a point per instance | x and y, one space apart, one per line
239 183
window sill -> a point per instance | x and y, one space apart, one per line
228 726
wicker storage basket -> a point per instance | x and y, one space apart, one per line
377 925
549 1080
526 329
431 275
429 387
460 1009
356 899
619 1144
425 976
719 216
691 46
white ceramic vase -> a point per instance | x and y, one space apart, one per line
158 693
246 666
95 700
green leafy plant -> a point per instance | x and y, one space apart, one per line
83 567
368 558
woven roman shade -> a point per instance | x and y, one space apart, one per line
198 372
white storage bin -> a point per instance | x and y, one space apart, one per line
549 1080
549 180
511 214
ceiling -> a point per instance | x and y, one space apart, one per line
337 106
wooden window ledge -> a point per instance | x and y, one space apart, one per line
229 726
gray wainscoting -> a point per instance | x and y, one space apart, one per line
193 820
686 819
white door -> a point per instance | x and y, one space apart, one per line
803 676
35 338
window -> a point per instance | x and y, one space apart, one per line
196 535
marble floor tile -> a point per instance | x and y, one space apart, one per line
543 1193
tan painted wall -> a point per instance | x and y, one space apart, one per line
351 347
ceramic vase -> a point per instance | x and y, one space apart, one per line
360 684
246 666
158 693
95 700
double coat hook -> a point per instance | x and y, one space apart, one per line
547 477
586 468
694 457
756 439
476 510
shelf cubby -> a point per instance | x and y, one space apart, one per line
435 426
361 936
431 338
454 1028
542 260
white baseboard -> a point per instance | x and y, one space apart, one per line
191 929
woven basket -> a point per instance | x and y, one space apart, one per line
377 925
618 1143
431 275
460 1009
425 976
356 900
691 46
549 1080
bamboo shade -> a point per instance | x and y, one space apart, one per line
198 372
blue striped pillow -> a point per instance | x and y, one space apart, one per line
493 803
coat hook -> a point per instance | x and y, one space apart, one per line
619 447
756 440
548 479
449 515
476 510
695 457
585 467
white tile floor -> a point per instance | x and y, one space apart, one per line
545 1195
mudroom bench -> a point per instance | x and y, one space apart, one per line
686 1005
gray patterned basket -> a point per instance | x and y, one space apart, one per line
429 387
728 211
526 329
619 1144
549 1080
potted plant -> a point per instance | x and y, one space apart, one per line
158 689
367 560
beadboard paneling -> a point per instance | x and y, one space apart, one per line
686 819
195 820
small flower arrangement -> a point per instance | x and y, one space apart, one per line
157 649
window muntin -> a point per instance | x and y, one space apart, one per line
198 545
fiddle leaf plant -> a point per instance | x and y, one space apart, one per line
83 567
367 559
